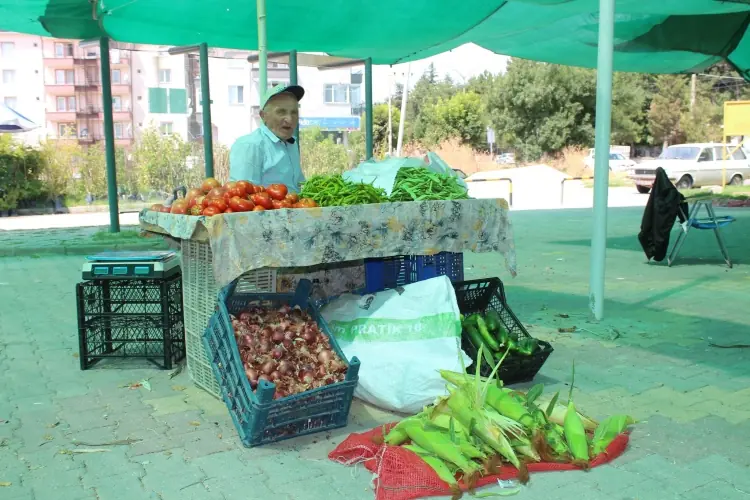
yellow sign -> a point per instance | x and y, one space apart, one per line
736 118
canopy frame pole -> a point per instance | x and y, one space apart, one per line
604 73
402 120
262 51
208 139
109 137
368 109
293 80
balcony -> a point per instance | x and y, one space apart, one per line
88 112
59 62
62 116
89 84
56 89
122 115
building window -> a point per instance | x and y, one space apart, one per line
116 103
65 76
66 130
165 128
9 76
116 76
11 102
63 50
337 94
119 131
7 49
66 103
236 94
114 56
165 76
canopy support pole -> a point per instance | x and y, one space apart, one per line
109 137
293 80
368 109
262 51
603 125
208 139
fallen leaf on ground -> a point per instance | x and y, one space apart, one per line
146 384
47 437
567 330
75 354
194 423
83 450
178 387
5 483
563 315
50 426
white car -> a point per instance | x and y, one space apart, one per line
617 162
694 165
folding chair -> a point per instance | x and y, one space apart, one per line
711 222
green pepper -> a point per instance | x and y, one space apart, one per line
493 321
476 340
488 339
471 319
527 346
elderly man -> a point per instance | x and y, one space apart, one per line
270 155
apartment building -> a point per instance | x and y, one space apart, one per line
57 84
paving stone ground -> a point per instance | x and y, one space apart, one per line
650 357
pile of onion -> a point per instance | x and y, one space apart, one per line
285 346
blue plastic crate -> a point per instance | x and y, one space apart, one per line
259 418
391 272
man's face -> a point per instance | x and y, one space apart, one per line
281 115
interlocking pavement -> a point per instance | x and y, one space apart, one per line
651 357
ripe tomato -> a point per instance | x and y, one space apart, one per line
156 207
307 203
179 207
209 184
277 191
211 211
226 197
195 210
218 203
205 201
259 189
258 208
292 198
197 201
229 211
238 204
192 194
164 209
247 187
233 189
285 204
263 200
216 193
276 204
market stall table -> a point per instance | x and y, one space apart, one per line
272 250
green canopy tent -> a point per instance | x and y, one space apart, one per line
665 36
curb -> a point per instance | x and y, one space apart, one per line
80 249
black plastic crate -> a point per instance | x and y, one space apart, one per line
258 418
131 318
481 296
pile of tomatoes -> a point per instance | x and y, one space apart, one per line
242 196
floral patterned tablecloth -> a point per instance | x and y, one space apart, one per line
242 242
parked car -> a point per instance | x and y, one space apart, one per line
506 159
693 165
617 162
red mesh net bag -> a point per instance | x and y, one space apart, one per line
402 475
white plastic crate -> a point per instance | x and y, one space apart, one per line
199 303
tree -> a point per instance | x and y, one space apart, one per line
539 108
426 92
459 116
380 126
668 104
162 162
20 167
320 155
57 172
629 97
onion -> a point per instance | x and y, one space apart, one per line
285 367
266 332
307 377
248 340
277 336
275 375
288 344
265 346
325 356
252 374
309 337
268 367
322 371
245 317
277 353
337 366
289 335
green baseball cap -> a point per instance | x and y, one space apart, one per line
295 90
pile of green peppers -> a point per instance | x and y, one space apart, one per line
334 191
490 331
422 184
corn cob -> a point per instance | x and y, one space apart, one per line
397 435
558 416
460 435
480 423
440 468
439 444
575 435
608 430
